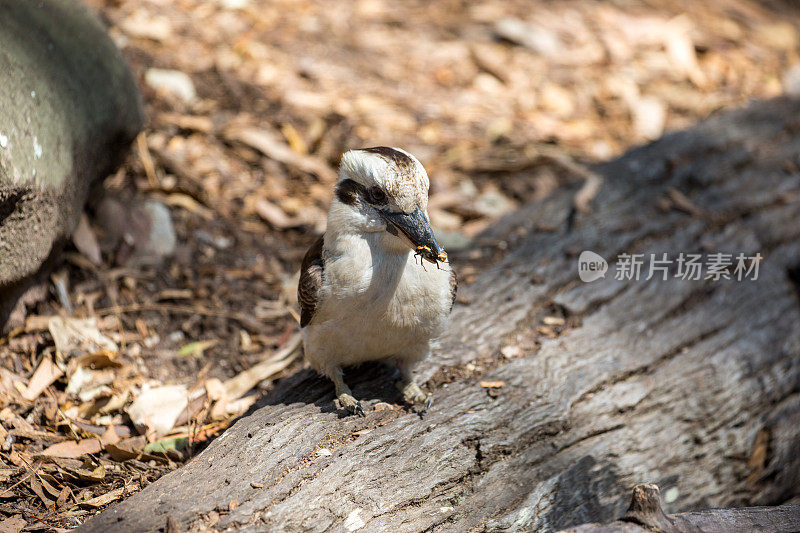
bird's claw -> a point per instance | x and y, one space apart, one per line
351 404
414 395
359 410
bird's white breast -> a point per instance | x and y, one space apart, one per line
375 303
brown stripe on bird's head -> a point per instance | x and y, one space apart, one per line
348 191
403 161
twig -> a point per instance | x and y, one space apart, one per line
147 161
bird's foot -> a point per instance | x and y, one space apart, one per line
351 404
413 394
345 395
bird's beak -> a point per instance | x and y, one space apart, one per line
416 228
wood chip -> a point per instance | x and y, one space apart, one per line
78 335
13 524
109 437
105 499
46 373
86 241
36 487
72 449
202 124
493 384
127 448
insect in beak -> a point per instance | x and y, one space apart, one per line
416 230
426 253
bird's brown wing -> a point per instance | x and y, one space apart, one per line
453 287
310 280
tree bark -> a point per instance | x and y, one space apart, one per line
646 515
692 385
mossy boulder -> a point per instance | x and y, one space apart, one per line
69 108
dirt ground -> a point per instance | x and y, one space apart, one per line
503 102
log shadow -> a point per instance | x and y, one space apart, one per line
371 382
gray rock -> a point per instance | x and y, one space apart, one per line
136 231
70 108
173 81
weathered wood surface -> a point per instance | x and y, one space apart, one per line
646 515
692 385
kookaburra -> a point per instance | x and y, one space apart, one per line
376 285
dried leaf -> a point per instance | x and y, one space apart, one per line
215 390
174 444
109 437
96 360
295 140
197 348
13 524
6 473
233 408
72 449
46 373
88 384
64 497
105 499
91 471
37 323
86 241
681 49
158 408
36 487
50 484
76 336
187 122
127 449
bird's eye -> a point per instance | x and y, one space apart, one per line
377 196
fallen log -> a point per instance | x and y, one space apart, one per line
589 388
646 515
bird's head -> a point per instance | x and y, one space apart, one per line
386 190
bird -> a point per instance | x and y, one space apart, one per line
376 285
